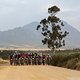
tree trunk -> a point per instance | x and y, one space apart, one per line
53 52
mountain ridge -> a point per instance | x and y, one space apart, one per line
28 37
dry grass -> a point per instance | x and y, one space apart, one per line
3 62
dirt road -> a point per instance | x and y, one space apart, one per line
37 73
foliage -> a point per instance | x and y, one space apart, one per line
51 29
66 59
4 54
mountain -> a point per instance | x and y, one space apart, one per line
28 37
73 39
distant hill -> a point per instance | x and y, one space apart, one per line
28 37
73 39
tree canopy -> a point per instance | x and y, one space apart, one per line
50 28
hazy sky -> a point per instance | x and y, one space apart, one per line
15 13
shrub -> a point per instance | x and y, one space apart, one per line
70 61
78 65
71 64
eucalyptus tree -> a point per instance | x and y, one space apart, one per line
50 28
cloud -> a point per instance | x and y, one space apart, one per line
10 6
20 12
6 10
12 2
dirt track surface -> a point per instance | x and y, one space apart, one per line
37 73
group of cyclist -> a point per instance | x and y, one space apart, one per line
29 59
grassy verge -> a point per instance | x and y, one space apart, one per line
66 60
3 62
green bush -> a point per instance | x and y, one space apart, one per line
71 64
78 65
4 54
71 61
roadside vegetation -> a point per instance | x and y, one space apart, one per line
63 58
68 59
3 62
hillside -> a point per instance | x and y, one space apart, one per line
28 37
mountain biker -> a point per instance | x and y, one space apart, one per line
11 58
36 58
43 58
39 59
32 58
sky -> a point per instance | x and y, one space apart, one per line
17 13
